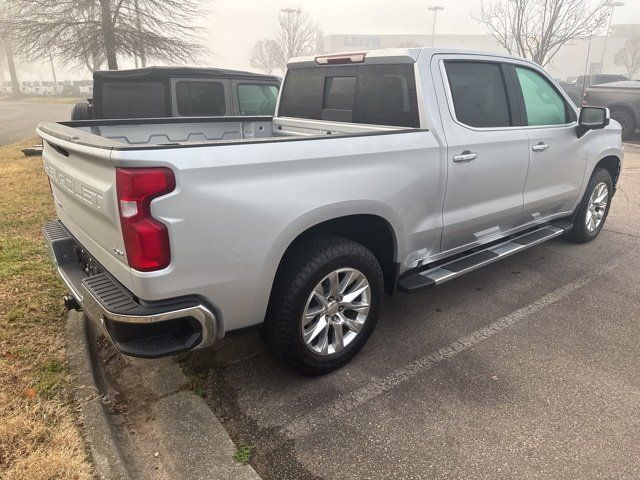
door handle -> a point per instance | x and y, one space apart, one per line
540 147
465 156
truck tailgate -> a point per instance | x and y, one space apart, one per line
83 183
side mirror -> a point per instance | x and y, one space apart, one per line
592 118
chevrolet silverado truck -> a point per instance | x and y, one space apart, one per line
383 171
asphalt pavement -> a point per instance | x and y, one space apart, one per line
528 368
19 119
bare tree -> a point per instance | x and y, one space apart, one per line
629 56
86 31
296 37
265 56
537 29
7 48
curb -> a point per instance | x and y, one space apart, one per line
107 457
140 419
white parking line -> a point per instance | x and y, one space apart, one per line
307 424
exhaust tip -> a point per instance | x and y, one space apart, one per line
71 303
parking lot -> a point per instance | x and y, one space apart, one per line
524 369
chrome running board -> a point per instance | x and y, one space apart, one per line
421 280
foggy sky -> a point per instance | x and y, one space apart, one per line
235 25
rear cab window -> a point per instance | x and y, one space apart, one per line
365 94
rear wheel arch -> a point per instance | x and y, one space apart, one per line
372 231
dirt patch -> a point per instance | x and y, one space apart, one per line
39 432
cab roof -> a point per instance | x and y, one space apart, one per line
389 55
168 72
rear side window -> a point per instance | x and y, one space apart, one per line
479 94
368 94
134 100
257 99
204 99
543 103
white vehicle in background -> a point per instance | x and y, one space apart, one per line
28 87
86 88
41 88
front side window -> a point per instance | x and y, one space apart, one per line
543 104
479 94
200 99
259 99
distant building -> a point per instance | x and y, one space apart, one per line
571 60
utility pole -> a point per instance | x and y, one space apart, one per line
613 5
290 11
53 71
435 9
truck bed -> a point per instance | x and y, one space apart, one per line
168 132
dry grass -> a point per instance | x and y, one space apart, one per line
39 434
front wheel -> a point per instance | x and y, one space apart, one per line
593 209
324 305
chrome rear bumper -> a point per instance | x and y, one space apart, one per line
135 327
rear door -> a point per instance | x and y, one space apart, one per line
487 156
558 157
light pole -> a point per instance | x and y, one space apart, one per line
606 35
289 11
435 9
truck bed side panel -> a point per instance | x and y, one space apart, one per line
236 208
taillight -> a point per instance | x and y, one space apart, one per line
585 99
146 240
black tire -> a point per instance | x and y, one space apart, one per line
81 111
580 233
626 120
304 267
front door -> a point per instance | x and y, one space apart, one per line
558 158
487 156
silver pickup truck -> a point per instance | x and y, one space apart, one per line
383 171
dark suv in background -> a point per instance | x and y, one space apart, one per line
178 92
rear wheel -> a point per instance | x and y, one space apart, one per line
626 121
593 209
324 305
